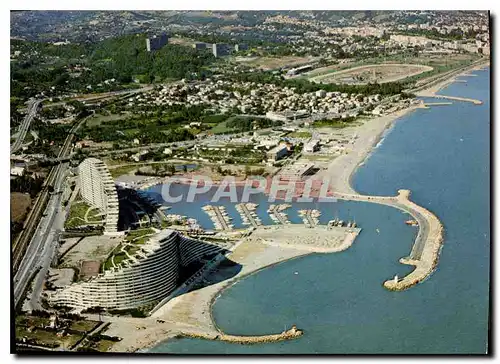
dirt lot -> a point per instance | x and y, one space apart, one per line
181 41
90 268
90 248
379 73
19 204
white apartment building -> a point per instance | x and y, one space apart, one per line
311 146
97 188
145 277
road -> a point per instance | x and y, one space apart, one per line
36 251
427 82
106 95
25 125
42 250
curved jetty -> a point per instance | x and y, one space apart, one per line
425 252
293 333
474 101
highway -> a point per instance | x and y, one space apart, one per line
35 247
25 125
37 243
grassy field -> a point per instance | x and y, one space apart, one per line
439 63
104 345
119 171
139 236
299 134
379 73
221 128
98 119
48 338
83 325
94 215
136 238
76 216
332 124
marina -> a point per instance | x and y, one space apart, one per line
219 217
310 217
359 272
248 214
277 214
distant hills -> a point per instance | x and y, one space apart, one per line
96 25
90 26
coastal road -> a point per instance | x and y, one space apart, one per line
25 125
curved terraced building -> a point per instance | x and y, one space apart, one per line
97 187
145 277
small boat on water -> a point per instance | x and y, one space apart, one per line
411 222
378 231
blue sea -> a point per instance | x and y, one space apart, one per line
443 155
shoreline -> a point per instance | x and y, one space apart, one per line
368 138
160 337
191 314
231 284
364 146
432 90
364 153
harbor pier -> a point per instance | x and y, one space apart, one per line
290 334
427 246
474 101
219 217
248 215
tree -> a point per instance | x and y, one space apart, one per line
171 169
248 170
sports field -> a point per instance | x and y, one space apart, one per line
379 73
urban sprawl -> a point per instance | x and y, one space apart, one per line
107 107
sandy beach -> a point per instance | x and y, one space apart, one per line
368 135
190 314
372 132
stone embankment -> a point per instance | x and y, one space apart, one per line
425 253
427 104
293 333
456 98
427 257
